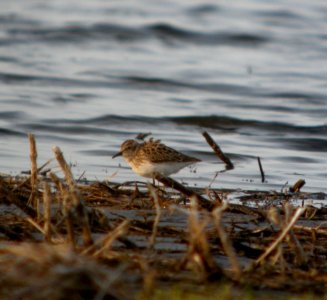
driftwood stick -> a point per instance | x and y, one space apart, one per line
171 183
297 186
261 170
218 151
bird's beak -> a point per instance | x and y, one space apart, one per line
117 154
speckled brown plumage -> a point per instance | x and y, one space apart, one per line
153 156
155 151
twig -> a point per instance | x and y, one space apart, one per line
218 151
171 183
213 179
157 218
299 211
261 170
33 157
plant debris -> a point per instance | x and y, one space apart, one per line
103 240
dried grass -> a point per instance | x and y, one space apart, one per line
66 245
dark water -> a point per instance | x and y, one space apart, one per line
86 75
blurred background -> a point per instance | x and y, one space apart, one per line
86 75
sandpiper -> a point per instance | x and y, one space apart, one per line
152 157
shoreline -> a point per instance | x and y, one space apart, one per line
136 240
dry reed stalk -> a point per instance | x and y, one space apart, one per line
43 166
198 249
47 212
225 241
300 255
298 212
17 200
79 205
60 190
33 157
69 222
65 168
38 209
123 239
278 257
315 230
149 275
111 237
218 151
157 218
274 217
35 224
104 287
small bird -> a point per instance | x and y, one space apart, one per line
152 157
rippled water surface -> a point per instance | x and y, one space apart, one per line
86 75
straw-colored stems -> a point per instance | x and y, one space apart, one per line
83 217
47 212
64 167
59 188
111 237
79 206
225 241
69 223
298 212
196 228
198 250
35 224
38 208
300 255
157 218
313 230
33 157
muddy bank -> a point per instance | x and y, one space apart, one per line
105 240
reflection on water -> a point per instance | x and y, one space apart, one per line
86 76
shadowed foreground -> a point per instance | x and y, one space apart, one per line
63 239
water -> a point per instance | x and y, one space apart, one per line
86 75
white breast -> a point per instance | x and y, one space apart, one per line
147 169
